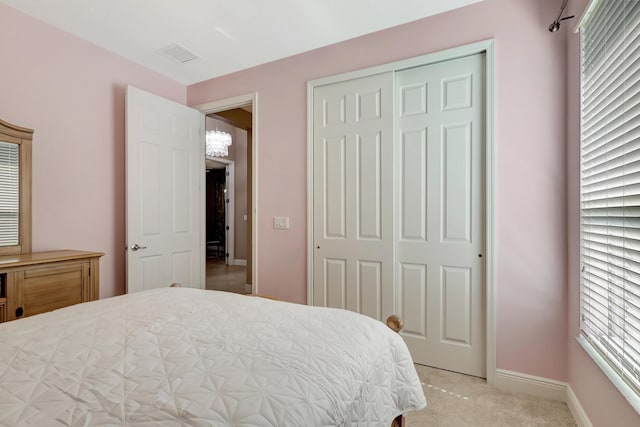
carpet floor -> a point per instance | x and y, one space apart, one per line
457 400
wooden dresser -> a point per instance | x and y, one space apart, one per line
38 282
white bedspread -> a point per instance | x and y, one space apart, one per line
186 357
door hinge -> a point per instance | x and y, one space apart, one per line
228 173
226 227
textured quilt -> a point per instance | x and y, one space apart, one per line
187 357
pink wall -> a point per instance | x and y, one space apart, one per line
72 93
602 401
530 235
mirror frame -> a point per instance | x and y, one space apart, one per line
23 137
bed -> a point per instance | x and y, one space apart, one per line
188 357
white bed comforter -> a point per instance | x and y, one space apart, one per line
186 357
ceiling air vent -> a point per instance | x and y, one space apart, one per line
178 54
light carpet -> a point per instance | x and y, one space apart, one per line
457 400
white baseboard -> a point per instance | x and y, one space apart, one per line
544 388
529 384
240 262
248 288
579 415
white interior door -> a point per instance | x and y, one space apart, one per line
353 195
164 175
440 211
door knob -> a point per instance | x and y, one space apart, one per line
137 246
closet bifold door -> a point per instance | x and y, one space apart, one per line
353 195
440 213
398 205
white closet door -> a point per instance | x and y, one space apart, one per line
440 213
353 195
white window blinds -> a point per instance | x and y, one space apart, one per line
9 193
610 186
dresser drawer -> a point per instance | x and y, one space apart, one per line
46 289
42 282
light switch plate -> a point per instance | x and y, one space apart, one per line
281 222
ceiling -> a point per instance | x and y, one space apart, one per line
226 35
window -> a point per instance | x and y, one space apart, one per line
610 191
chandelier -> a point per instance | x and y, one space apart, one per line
217 143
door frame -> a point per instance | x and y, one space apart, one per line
229 104
483 47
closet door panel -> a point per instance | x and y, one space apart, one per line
353 190
440 213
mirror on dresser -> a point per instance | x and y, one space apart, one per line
15 189
34 282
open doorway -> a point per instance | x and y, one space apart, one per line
219 209
228 200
